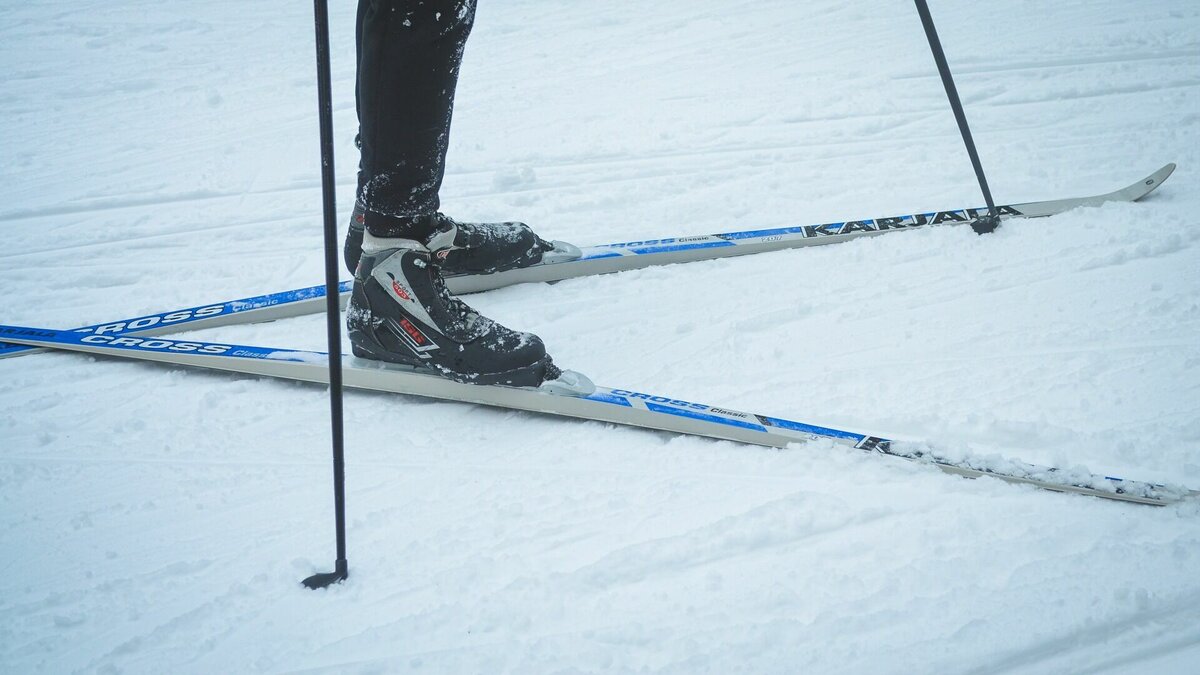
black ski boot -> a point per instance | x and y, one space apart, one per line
401 312
475 248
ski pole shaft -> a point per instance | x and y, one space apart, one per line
332 308
981 225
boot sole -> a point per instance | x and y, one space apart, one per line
364 345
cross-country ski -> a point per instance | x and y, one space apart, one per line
606 259
576 396
506 336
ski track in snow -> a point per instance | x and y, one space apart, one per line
164 155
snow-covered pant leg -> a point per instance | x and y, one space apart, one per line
409 53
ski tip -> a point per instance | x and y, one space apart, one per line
1150 183
1163 173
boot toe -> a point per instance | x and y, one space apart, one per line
494 247
518 346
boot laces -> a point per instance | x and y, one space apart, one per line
462 313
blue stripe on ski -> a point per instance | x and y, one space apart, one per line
651 248
182 317
681 247
154 344
6 349
608 397
811 429
280 298
698 415
754 234
595 255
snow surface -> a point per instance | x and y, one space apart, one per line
164 154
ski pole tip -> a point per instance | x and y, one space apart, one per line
326 579
986 223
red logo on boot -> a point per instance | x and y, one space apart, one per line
413 332
401 290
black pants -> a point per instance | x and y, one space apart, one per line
409 53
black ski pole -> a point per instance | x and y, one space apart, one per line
332 309
981 224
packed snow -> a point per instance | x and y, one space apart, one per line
157 155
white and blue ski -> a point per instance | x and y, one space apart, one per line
576 397
604 259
